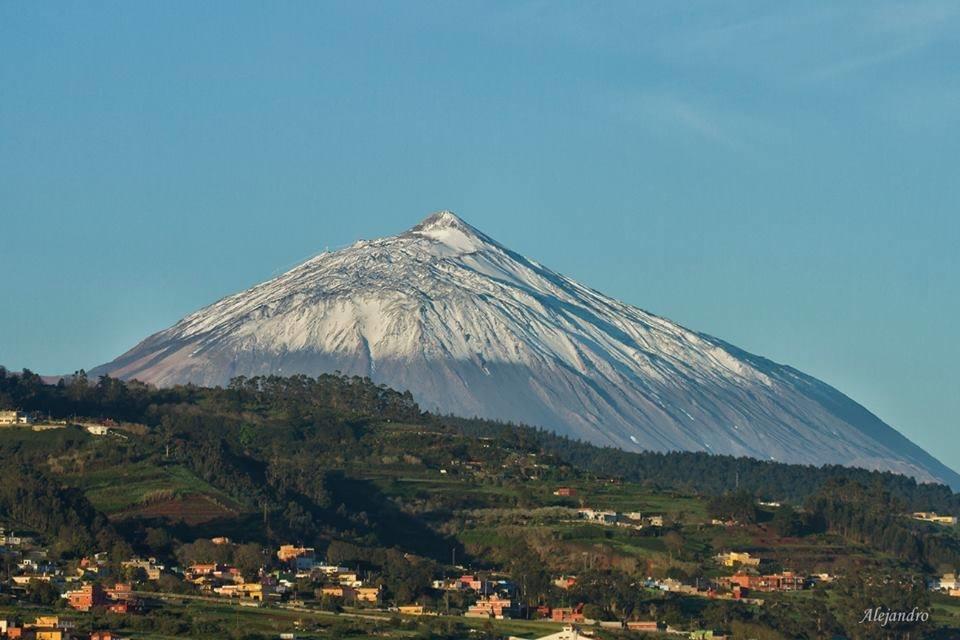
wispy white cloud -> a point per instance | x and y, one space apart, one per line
799 45
697 118
744 77
854 63
884 34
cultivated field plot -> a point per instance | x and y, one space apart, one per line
151 490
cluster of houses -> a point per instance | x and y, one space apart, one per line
150 567
11 539
492 597
50 628
28 560
337 582
475 584
742 582
496 596
117 599
500 607
38 422
748 577
633 519
225 580
87 593
300 562
497 599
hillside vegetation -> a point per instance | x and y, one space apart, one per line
362 474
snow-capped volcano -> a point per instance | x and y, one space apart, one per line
474 329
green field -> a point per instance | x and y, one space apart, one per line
116 489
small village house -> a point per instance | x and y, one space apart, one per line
87 597
299 558
412 609
338 591
565 582
933 516
567 614
492 607
12 418
734 558
253 591
370 595
150 567
948 582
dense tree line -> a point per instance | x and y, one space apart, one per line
300 403
278 446
274 445
740 506
111 398
33 502
872 516
710 474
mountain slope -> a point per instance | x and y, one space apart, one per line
472 328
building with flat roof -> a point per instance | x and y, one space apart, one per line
13 418
933 516
737 557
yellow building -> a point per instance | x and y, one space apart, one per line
349 579
336 591
368 594
45 621
737 557
48 628
248 590
412 609
288 552
149 566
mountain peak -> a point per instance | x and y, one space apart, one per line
472 328
448 229
444 219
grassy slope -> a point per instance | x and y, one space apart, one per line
116 489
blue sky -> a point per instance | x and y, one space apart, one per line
781 175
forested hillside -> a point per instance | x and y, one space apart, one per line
359 472
343 403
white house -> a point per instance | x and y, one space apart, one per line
949 582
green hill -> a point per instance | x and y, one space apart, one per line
359 472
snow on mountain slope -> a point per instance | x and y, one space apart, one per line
474 329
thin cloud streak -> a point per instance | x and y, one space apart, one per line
667 114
